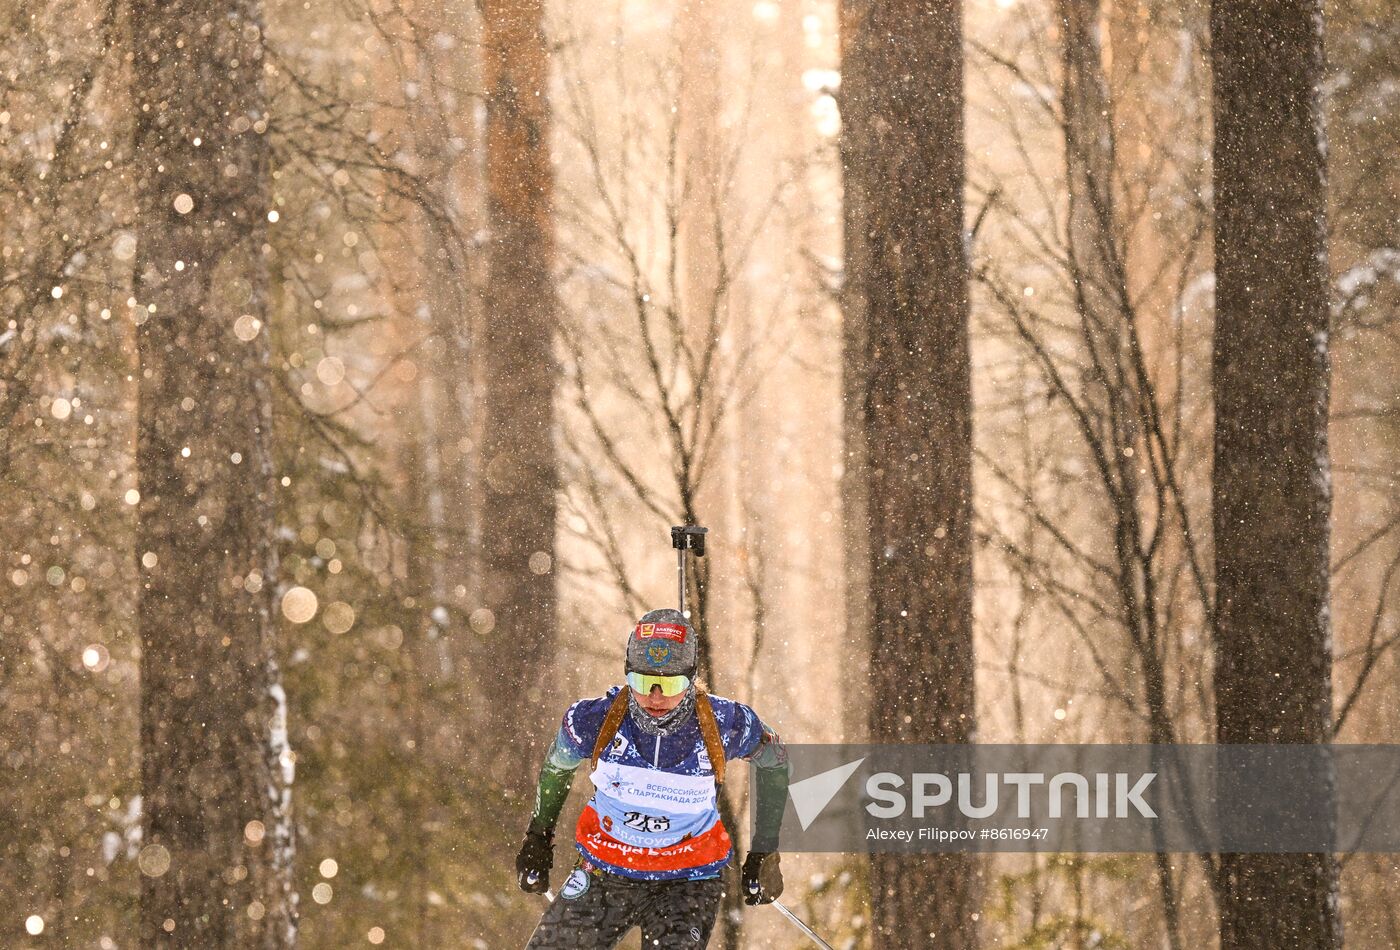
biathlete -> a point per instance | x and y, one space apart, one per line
650 841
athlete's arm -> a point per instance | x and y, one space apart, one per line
770 763
556 778
762 876
536 855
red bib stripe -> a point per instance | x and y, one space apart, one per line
706 848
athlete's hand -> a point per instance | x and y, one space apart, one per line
762 877
533 862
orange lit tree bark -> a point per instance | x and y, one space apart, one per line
521 471
902 108
1097 259
217 834
1272 494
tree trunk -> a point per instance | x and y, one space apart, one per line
438 316
1272 492
521 471
1096 245
216 768
903 123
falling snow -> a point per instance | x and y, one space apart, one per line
356 359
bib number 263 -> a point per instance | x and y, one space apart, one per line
651 824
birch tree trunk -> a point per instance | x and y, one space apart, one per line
903 157
216 769
1272 493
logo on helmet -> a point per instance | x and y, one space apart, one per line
666 631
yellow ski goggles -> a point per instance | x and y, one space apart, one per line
670 685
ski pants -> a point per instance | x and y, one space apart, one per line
594 910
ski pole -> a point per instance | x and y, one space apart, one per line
548 895
797 922
533 877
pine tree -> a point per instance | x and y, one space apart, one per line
520 467
902 114
216 769
1272 487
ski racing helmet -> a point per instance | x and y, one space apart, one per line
663 645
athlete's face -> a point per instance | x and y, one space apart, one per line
658 704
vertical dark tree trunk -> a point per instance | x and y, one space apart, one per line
1272 485
521 472
903 124
216 770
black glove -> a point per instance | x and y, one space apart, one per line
533 862
762 877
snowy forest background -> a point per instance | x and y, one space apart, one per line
356 357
